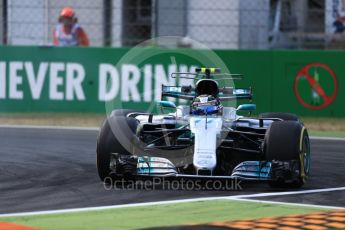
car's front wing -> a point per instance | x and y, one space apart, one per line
162 167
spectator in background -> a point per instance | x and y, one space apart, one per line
68 32
340 20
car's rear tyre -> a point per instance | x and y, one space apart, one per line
288 141
283 116
117 135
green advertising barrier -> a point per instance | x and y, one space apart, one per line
51 79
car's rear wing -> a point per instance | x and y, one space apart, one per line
183 92
231 93
225 93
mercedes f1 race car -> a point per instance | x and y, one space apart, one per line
205 139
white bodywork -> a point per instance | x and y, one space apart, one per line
205 144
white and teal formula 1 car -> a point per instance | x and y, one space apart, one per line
205 139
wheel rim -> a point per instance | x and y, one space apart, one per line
112 163
306 155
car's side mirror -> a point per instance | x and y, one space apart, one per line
246 107
167 104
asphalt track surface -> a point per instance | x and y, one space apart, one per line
47 169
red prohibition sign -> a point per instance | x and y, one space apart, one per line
328 99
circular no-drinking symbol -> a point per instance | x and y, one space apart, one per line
317 88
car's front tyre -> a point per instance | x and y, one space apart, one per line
116 139
288 141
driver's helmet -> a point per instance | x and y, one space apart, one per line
206 104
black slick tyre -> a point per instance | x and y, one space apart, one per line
288 141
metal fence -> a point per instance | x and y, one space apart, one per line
234 24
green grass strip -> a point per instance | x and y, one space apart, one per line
160 215
327 133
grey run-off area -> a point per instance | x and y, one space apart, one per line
47 169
